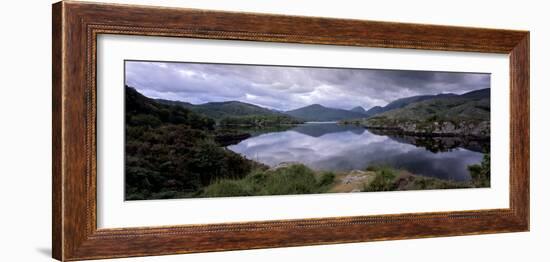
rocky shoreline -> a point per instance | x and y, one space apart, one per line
231 138
471 129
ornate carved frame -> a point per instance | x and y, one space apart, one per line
76 26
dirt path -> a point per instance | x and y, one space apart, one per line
354 181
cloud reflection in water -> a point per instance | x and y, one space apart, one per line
341 148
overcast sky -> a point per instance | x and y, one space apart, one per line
286 88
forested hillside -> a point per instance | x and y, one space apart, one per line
171 151
467 114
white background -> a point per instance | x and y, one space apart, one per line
25 136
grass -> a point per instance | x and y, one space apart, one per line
481 173
299 179
391 179
422 183
291 180
384 179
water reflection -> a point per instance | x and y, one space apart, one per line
323 128
437 144
328 146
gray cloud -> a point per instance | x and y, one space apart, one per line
286 88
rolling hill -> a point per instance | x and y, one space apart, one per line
358 109
143 111
403 102
449 114
474 105
319 113
374 110
236 109
219 110
172 152
235 113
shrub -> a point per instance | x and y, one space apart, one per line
372 168
258 120
227 188
295 179
171 152
144 120
176 158
383 181
481 173
387 179
433 118
291 180
327 179
423 183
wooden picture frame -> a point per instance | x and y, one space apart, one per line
76 26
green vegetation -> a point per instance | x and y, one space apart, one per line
171 152
390 179
176 149
456 115
231 110
259 120
436 144
384 179
403 102
235 113
144 112
299 179
293 179
318 112
481 173
358 109
442 109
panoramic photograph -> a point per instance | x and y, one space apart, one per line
199 130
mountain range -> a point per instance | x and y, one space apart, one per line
466 115
316 112
473 105
219 110
358 109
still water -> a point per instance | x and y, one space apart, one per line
333 147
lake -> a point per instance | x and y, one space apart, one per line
332 147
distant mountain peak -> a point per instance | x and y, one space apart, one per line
471 106
317 112
314 105
223 109
231 102
480 93
358 109
374 110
